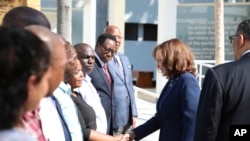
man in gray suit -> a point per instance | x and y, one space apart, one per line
124 110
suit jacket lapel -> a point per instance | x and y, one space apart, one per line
166 92
112 66
125 66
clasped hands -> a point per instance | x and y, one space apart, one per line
126 137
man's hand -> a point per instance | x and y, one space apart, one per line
131 135
125 137
133 122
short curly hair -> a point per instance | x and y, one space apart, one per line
71 59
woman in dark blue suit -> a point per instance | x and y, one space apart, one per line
177 105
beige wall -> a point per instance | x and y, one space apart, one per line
5 6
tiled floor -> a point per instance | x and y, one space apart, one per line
145 111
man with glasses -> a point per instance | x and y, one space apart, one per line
125 112
100 77
225 96
231 38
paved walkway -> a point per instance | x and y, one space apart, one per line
145 111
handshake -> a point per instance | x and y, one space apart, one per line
129 136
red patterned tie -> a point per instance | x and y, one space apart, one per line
105 69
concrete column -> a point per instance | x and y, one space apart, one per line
219 31
116 16
89 22
64 19
167 14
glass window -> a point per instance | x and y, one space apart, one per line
150 32
131 31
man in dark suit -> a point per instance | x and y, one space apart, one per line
225 95
124 106
100 77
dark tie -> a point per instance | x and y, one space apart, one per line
64 125
105 69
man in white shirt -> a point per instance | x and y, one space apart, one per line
57 48
49 114
51 123
89 94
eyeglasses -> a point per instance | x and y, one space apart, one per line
117 36
88 57
107 50
232 37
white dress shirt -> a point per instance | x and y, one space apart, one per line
50 120
91 97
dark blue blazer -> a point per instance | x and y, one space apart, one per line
175 111
100 82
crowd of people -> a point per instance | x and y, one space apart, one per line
51 90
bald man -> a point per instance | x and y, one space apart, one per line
58 46
124 110
52 126
57 50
